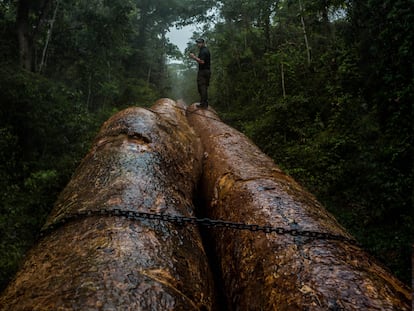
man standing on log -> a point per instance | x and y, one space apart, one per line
203 75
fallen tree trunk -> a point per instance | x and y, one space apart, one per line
312 264
97 256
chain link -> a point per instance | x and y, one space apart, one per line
205 222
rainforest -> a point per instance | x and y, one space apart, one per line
325 88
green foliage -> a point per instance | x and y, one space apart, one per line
341 126
135 92
8 42
45 132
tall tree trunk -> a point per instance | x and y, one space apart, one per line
325 18
141 161
149 73
88 97
325 12
48 36
27 32
266 25
269 271
24 36
282 73
305 35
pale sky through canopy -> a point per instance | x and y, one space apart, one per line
180 37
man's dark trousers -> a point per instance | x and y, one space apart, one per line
203 81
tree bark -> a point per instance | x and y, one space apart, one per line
282 73
305 35
48 36
27 32
142 160
23 35
266 271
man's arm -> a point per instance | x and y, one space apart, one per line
198 60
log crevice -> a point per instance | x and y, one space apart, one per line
281 272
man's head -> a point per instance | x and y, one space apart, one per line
200 42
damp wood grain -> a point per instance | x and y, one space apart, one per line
281 272
142 160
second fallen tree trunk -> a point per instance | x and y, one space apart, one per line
267 271
96 255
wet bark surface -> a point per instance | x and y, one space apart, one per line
142 160
281 272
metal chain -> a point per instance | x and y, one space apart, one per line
206 222
181 220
